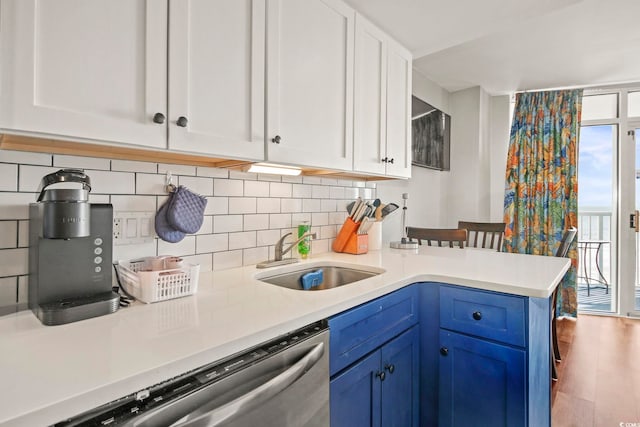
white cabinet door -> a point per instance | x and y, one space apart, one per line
310 83
90 69
370 103
216 77
382 114
398 111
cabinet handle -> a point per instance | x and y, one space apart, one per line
390 368
477 315
158 118
381 375
390 161
276 139
384 160
182 121
444 351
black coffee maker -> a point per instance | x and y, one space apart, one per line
70 251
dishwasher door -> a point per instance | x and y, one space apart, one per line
280 383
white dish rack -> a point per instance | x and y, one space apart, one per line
159 285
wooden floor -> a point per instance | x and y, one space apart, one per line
599 376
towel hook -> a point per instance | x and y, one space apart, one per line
168 183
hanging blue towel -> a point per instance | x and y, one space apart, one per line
311 279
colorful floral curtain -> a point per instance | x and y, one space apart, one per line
541 189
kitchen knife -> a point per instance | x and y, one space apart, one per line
388 209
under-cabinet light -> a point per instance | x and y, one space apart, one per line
274 169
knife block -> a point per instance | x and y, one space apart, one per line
349 241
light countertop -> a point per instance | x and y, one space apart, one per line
49 373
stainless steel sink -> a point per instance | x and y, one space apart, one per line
333 276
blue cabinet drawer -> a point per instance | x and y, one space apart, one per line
356 332
484 314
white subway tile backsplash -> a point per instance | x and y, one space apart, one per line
8 235
164 168
25 158
23 234
8 291
320 192
280 221
245 216
280 189
228 187
242 205
319 218
252 256
186 246
207 225
212 243
78 162
267 237
23 289
256 189
290 205
226 260
212 172
242 240
217 206
103 182
311 205
227 223
30 177
202 186
243 175
133 166
205 261
336 192
133 203
150 184
267 205
328 205
302 191
256 222
16 205
13 262
8 177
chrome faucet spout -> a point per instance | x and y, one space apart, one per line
279 252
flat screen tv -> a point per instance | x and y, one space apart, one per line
431 130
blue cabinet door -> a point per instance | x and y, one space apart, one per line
355 394
482 383
400 388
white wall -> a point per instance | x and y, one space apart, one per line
499 124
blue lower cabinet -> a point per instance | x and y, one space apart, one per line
481 383
381 389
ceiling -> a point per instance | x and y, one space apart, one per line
511 45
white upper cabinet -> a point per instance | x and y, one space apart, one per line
216 77
85 69
310 83
382 114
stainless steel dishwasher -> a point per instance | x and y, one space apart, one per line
283 382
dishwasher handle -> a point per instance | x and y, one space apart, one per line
250 400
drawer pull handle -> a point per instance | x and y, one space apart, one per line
477 315
444 351
381 375
390 368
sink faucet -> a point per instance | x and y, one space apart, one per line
278 249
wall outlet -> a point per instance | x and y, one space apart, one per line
133 227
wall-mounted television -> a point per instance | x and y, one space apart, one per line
431 130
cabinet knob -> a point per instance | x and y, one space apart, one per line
477 315
390 368
276 139
158 118
381 375
182 121
444 351
390 161
384 160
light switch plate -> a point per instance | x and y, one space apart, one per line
133 227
